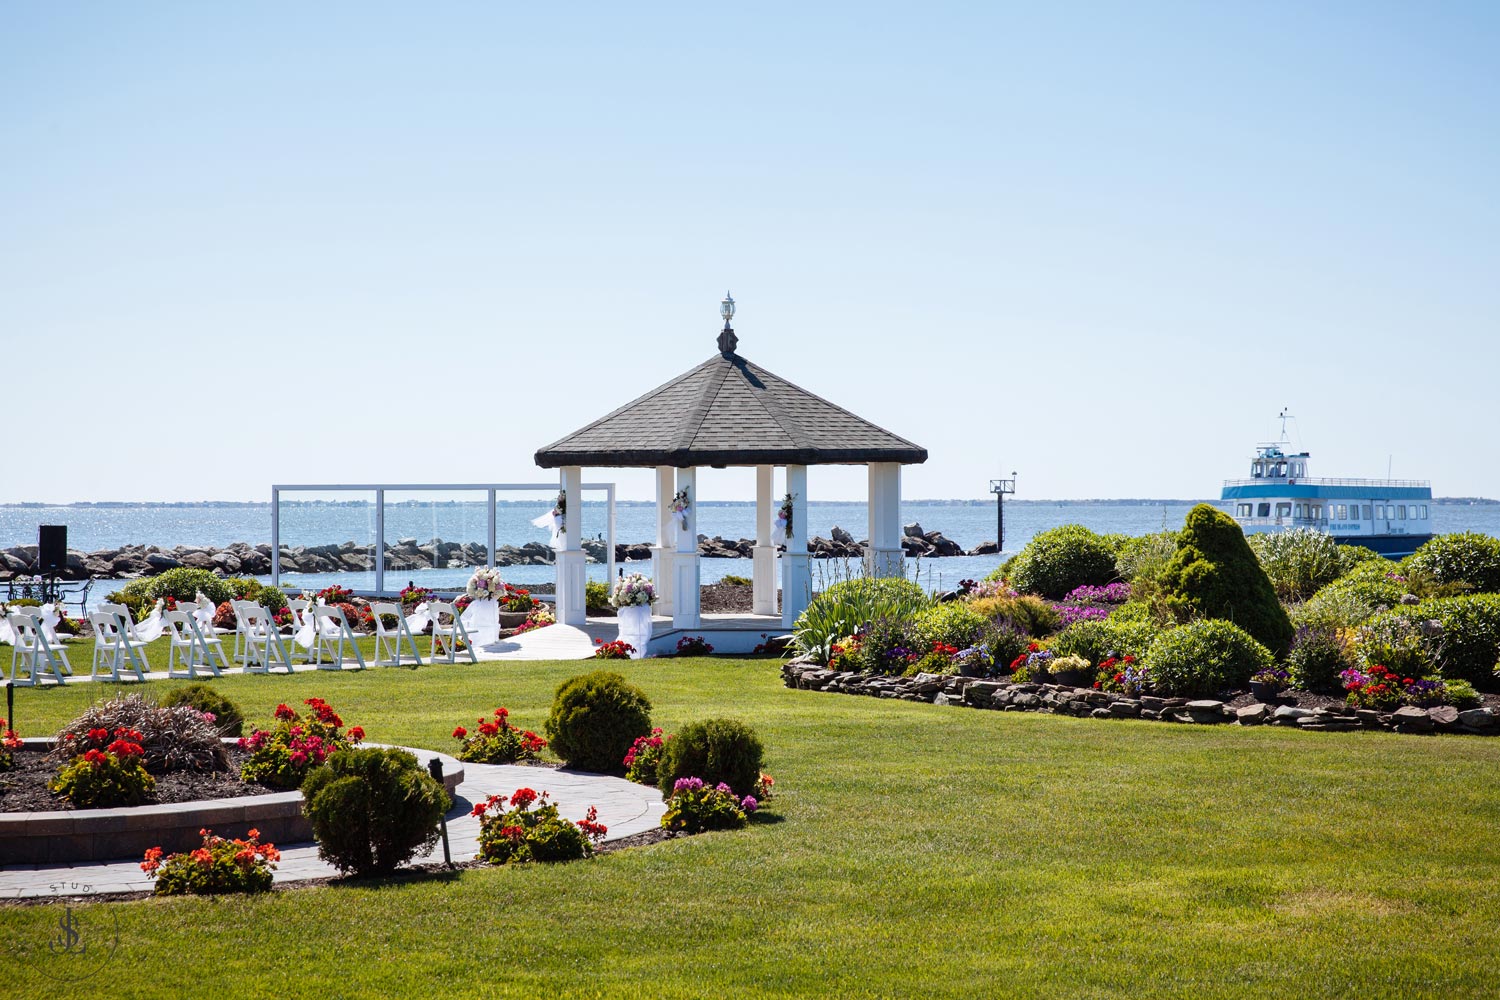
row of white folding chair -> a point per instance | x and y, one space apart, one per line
32 651
115 647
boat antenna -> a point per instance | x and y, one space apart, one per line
1285 416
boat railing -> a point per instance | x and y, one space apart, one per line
1373 484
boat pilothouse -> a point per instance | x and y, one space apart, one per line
1390 516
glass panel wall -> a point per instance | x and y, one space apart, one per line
327 539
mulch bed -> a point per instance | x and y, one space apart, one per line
24 788
729 598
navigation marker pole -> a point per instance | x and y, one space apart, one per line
1000 487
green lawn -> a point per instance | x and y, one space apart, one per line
912 851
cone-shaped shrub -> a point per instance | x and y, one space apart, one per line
1215 575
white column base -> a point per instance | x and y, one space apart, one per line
685 583
572 575
763 594
796 586
661 576
885 562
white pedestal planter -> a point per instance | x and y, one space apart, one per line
635 627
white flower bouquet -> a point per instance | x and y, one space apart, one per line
635 589
485 585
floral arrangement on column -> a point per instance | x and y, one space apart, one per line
555 520
783 526
635 589
485 585
679 508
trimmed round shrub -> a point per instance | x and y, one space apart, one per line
1465 557
183 583
1215 575
228 718
595 718
1317 657
247 588
716 750
1204 657
1096 641
954 623
372 809
1056 561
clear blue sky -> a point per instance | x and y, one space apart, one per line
1101 244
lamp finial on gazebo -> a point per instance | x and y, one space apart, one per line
727 340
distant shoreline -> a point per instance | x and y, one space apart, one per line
241 504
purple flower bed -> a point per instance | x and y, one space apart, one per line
1114 593
1080 613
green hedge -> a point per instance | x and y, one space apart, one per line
1056 561
1468 645
1097 640
1204 657
1461 558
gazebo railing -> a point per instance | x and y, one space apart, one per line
379 491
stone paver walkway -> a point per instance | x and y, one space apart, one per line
625 807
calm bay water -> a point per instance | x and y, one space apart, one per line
319 523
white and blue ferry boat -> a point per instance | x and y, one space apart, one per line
1390 516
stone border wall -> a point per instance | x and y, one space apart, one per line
1006 696
79 835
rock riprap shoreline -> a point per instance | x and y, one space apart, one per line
243 559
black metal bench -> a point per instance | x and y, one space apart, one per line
50 590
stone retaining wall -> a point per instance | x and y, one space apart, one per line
1004 695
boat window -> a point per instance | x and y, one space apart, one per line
1263 510
1424 512
1367 512
1281 469
1317 512
1242 510
1401 512
1380 512
1342 514
1301 510
1283 510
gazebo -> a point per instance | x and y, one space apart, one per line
725 412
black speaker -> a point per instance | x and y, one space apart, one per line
52 549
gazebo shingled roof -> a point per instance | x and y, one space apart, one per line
728 411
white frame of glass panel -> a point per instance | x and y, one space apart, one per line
379 490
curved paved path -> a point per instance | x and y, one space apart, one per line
625 807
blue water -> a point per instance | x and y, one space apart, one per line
316 523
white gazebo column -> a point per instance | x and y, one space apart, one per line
572 568
685 592
763 572
666 541
796 580
885 556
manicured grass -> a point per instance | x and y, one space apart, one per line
912 851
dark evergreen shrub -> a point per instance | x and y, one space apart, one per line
1215 575
372 809
595 718
228 718
1056 561
1204 657
1466 557
715 750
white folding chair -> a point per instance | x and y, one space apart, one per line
330 632
258 638
113 644
389 640
298 607
32 650
453 632
190 644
